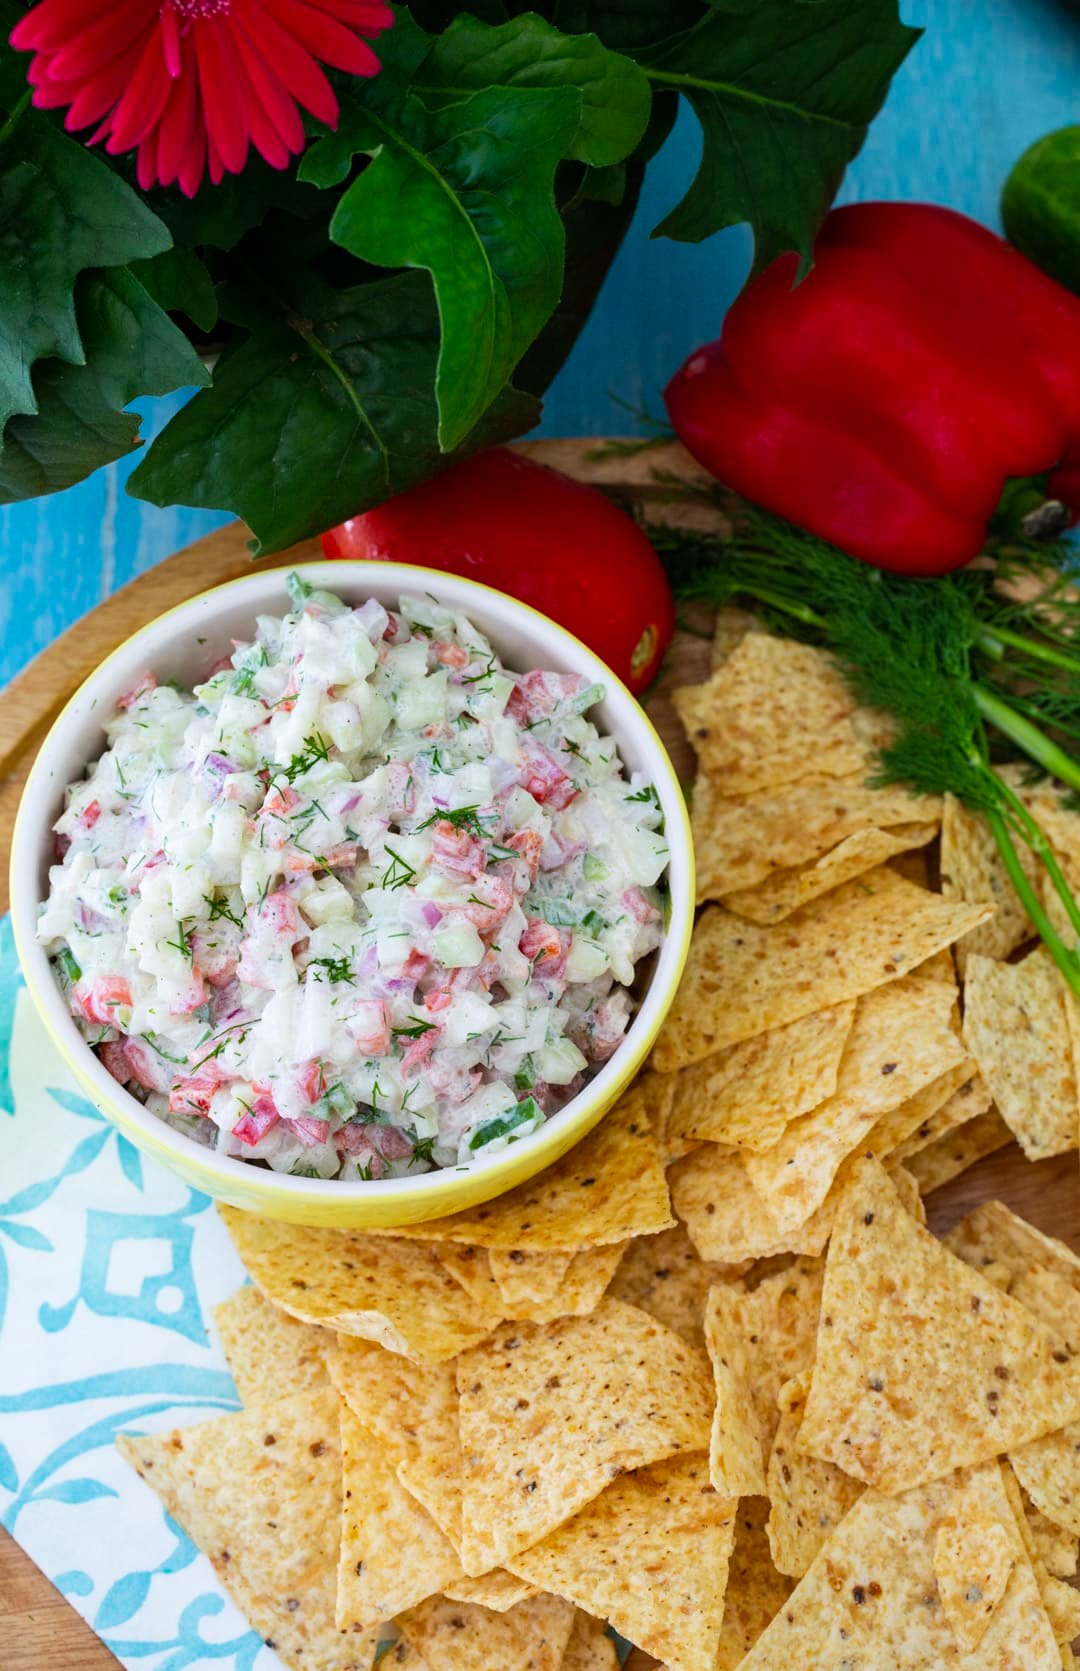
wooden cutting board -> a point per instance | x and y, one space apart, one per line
38 1630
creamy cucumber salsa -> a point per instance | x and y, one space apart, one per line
365 902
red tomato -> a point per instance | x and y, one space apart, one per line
537 534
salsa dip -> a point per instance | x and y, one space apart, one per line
363 903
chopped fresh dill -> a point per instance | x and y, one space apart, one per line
182 943
337 969
462 818
398 872
415 1030
221 908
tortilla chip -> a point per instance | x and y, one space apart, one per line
609 1187
525 1279
1017 1030
922 1365
783 1316
269 1352
947 1156
741 842
471 1267
772 707
411 1412
458 1636
967 1102
730 628
590 1648
900 1043
726 1219
550 1414
972 870
755 1591
497 1590
1061 1601
659 1097
1058 1549
737 1444
992 1233
259 1492
973 1562
585 1276
649 1555
746 1096
889 1136
383 1289
392 1553
742 979
787 890
808 1498
867 1600
1049 1471
664 1276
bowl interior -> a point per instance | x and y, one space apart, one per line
183 645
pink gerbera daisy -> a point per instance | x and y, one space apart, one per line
192 84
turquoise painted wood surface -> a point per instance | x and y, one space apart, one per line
988 77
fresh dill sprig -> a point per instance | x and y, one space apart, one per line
975 666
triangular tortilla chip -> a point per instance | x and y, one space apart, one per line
388 1290
737 1442
788 890
1058 1549
741 842
550 1414
471 1267
259 1492
742 979
497 1590
922 1365
649 1555
871 1597
1017 1030
726 1219
808 1498
901 1042
973 1562
585 1277
459 1636
747 1095
755 1590
590 1648
393 1555
992 1233
971 1099
955 1151
772 710
411 1410
610 1186
527 1279
1061 1601
665 1276
269 1352
972 869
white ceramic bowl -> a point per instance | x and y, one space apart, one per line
182 645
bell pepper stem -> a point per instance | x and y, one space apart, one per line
1067 961
1027 736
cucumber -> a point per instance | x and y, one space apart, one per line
1040 205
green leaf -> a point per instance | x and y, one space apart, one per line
627 25
322 412
467 193
61 210
132 348
784 91
179 283
615 95
219 216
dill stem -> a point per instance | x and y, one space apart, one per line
1035 837
993 639
798 611
1034 742
1066 961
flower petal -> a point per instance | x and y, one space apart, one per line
226 124
323 36
181 121
143 99
297 69
271 93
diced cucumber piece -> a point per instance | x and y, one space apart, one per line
594 869
588 698
69 969
587 961
458 945
559 1061
526 1113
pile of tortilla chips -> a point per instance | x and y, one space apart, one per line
708 1383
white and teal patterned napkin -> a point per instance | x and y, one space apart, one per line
109 1270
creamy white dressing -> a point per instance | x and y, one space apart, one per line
362 903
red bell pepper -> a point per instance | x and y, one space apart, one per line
884 401
541 536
